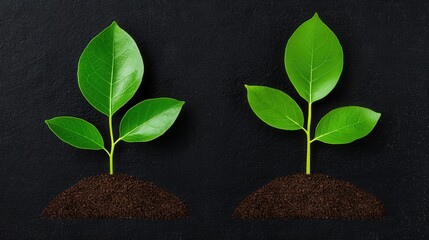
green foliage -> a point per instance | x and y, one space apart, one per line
275 108
109 73
314 62
346 124
149 119
110 70
76 132
313 59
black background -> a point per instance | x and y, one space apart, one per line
217 152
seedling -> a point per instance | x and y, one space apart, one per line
313 61
109 73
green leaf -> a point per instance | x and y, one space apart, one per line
346 124
110 70
149 119
313 59
76 132
275 108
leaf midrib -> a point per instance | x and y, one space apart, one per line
111 73
310 93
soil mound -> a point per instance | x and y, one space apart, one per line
115 196
310 196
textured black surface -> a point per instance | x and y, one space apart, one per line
218 151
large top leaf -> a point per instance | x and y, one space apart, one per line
149 119
110 70
76 132
275 108
346 124
313 59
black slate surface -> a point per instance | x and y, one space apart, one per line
218 151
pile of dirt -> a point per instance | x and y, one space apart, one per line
116 196
310 196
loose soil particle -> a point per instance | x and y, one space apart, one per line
310 196
115 196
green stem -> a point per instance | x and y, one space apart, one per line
112 145
308 166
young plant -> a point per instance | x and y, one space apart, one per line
109 73
314 61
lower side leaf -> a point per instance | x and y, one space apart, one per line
275 108
76 132
149 119
346 124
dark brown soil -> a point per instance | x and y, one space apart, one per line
115 196
310 196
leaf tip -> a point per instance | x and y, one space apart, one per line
114 24
374 115
378 115
316 16
47 121
248 87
